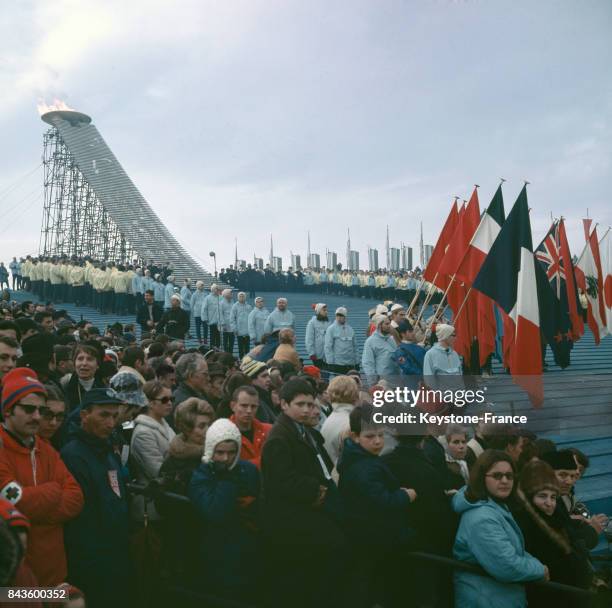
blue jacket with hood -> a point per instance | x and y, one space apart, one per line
489 537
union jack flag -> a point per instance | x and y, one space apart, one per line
549 256
551 278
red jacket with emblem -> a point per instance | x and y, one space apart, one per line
251 450
37 481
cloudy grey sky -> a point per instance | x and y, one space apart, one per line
245 118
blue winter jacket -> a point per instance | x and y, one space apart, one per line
340 345
377 357
409 358
197 297
186 298
239 318
97 539
159 289
226 503
315 337
210 309
168 293
137 284
375 507
279 320
225 308
489 537
257 322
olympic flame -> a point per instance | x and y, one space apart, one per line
56 106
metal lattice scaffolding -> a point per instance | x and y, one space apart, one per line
92 208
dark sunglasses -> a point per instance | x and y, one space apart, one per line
48 415
30 409
500 476
165 400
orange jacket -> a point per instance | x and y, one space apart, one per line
40 485
251 450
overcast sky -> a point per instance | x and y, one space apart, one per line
245 118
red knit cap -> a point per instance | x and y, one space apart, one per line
312 371
13 517
18 383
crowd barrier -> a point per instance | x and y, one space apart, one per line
583 597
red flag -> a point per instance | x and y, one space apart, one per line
431 271
570 284
466 324
460 241
586 224
589 277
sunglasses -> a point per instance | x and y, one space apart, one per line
165 400
30 409
500 476
48 415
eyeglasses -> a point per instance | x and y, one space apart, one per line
500 476
48 415
165 400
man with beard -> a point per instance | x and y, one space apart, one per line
279 318
315 335
378 350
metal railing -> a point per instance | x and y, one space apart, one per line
588 598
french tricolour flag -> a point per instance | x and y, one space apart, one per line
507 276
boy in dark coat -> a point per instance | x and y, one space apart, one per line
97 542
431 515
303 539
376 507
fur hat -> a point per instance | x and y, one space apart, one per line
563 459
18 383
537 476
219 431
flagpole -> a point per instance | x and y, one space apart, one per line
416 295
467 295
441 301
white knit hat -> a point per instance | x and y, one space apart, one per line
378 319
213 287
226 292
381 309
444 331
341 310
319 307
219 431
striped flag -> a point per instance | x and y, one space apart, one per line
508 277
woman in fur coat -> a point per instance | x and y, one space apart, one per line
548 538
